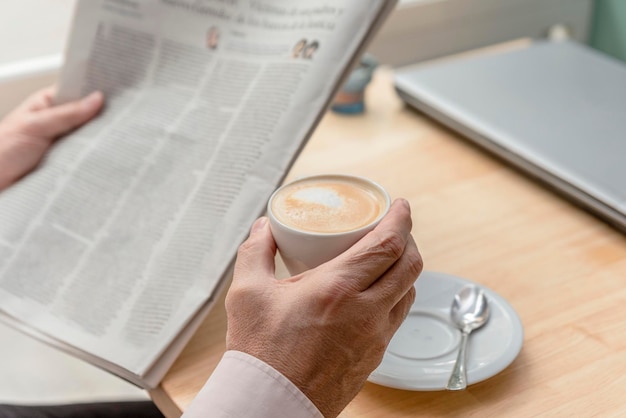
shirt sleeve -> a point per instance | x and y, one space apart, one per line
243 386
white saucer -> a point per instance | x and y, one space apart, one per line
422 353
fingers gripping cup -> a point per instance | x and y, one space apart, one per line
314 219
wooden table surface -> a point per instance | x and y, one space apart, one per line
562 270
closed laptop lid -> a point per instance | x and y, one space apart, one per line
556 109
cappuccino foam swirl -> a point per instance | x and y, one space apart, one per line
328 205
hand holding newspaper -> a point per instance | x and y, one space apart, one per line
116 247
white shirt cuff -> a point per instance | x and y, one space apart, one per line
243 386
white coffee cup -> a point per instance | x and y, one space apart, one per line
314 219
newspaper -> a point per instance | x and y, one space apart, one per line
120 240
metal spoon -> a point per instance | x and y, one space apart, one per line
469 311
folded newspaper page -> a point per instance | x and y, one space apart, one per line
116 243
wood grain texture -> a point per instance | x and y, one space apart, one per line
563 270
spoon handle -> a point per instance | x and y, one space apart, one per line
458 378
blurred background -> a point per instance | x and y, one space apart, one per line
32 37
36 28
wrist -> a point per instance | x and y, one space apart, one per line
327 384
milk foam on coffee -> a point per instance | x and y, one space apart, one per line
328 205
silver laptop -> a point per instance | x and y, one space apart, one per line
557 110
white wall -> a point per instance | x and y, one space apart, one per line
424 29
32 39
418 30
33 28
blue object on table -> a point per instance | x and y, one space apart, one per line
350 100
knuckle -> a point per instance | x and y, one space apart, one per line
245 248
392 244
416 264
32 125
74 110
336 293
233 295
238 293
371 325
389 246
379 347
406 303
375 322
411 295
409 220
27 121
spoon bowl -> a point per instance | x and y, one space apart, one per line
469 311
